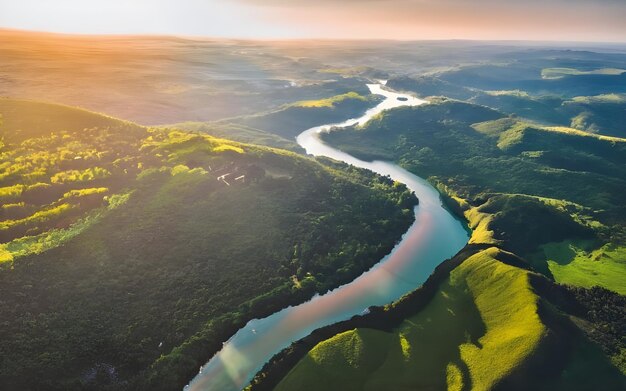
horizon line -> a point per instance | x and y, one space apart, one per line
192 37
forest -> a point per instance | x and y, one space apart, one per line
531 158
130 253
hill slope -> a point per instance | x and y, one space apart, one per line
129 254
539 200
484 328
279 128
571 179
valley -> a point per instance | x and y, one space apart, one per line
224 214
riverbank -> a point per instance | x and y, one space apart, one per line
436 235
133 261
383 318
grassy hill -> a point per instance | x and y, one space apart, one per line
486 326
475 319
553 197
241 133
292 119
501 166
278 128
128 254
521 76
585 91
599 114
481 321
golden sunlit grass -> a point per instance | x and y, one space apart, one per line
480 222
330 102
508 306
86 175
11 193
556 73
510 131
85 192
576 132
583 263
603 98
485 313
36 244
38 217
62 166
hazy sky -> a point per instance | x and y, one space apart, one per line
571 20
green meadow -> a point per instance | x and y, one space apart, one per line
583 263
332 101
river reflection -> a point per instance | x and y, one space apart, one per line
434 237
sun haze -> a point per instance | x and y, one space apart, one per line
557 20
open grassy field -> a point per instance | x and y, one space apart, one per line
584 263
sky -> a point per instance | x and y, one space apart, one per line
548 20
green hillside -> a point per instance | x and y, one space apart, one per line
292 119
585 95
278 128
129 254
485 312
486 327
241 133
551 196
564 183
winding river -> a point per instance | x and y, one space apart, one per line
434 236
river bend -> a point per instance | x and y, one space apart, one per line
435 236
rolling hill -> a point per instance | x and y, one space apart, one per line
536 298
278 128
484 328
128 254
